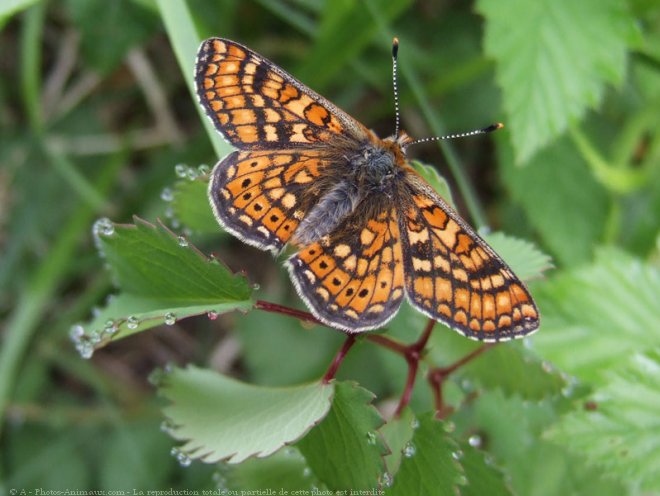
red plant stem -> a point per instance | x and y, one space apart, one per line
413 353
268 306
339 357
439 375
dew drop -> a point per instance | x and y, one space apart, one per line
181 457
111 328
167 427
169 213
181 170
414 423
371 438
167 194
132 322
170 319
203 170
449 426
547 367
462 480
85 350
76 333
457 455
183 242
94 338
103 227
220 482
256 287
307 472
475 441
409 450
289 452
212 314
386 479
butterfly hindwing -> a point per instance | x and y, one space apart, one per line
452 275
353 278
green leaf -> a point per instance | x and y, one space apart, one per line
286 469
163 278
555 62
482 475
191 207
511 431
429 466
560 197
433 177
345 451
526 260
621 432
220 418
516 371
594 315
398 432
269 340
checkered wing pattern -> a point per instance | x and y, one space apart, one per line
453 276
353 278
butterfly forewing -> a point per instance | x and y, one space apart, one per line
262 196
258 106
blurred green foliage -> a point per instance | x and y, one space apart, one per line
95 113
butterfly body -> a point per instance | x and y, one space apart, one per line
369 230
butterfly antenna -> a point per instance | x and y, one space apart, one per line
395 54
485 130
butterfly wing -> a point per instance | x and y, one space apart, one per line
352 278
258 106
262 196
453 276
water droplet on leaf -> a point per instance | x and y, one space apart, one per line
181 457
212 314
103 227
371 438
183 242
203 170
475 440
409 450
132 322
457 455
449 426
181 170
170 318
167 195
76 333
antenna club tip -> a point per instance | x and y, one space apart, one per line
498 125
395 47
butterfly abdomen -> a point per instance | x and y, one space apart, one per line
324 217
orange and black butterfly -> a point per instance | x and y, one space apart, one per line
368 229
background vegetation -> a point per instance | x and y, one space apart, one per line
96 112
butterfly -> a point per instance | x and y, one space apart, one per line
368 230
